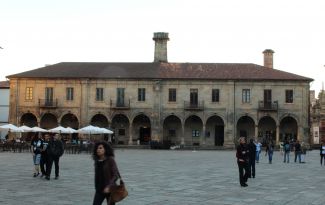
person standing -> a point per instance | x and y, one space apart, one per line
297 151
106 172
44 154
303 152
258 151
322 153
242 161
36 147
269 151
55 151
252 156
286 151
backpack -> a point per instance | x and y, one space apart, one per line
286 147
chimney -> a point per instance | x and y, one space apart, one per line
160 39
268 58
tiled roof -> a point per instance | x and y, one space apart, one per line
200 71
4 84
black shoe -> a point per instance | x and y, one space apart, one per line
47 178
35 175
244 185
253 176
56 177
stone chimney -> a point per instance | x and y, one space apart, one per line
160 39
268 58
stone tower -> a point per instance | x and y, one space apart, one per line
160 39
268 58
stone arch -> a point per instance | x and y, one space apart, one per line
215 130
70 120
48 121
120 125
28 119
99 120
266 129
141 128
288 128
290 115
172 129
193 128
245 127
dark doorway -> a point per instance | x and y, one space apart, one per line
267 99
243 133
219 135
144 135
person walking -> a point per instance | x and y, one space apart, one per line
322 153
303 152
252 156
297 148
286 151
54 150
258 151
242 161
36 147
106 172
269 151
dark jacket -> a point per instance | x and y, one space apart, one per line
55 148
106 174
252 151
242 153
321 149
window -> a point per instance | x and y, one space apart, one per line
99 94
215 95
195 133
172 95
141 94
29 94
246 98
289 96
69 94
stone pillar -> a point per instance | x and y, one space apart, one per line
130 134
182 137
160 39
203 138
256 132
277 139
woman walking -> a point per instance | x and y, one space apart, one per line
106 172
269 151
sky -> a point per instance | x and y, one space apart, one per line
35 33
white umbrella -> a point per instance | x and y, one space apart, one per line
70 130
38 129
105 131
10 128
26 128
89 130
58 129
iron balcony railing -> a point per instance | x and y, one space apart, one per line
194 105
268 106
48 103
115 104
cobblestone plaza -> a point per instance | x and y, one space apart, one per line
155 177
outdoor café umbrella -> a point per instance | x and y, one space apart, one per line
59 129
26 128
10 128
90 130
38 129
70 130
105 131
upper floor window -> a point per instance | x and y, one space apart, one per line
215 95
141 94
246 96
289 96
29 94
172 95
99 94
69 94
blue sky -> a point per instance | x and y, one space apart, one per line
39 32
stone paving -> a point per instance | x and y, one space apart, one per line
163 177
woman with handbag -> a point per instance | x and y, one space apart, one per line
106 172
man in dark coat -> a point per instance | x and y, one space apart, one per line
55 151
252 156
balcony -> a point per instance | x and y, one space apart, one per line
194 106
268 106
48 103
114 104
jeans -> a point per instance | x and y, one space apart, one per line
298 154
270 156
286 156
243 172
258 155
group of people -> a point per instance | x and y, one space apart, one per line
249 154
45 151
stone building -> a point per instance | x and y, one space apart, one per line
4 106
201 104
317 118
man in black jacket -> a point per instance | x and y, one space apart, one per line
242 161
55 151
252 156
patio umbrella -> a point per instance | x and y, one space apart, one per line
89 130
26 128
70 130
10 128
38 129
105 131
59 129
